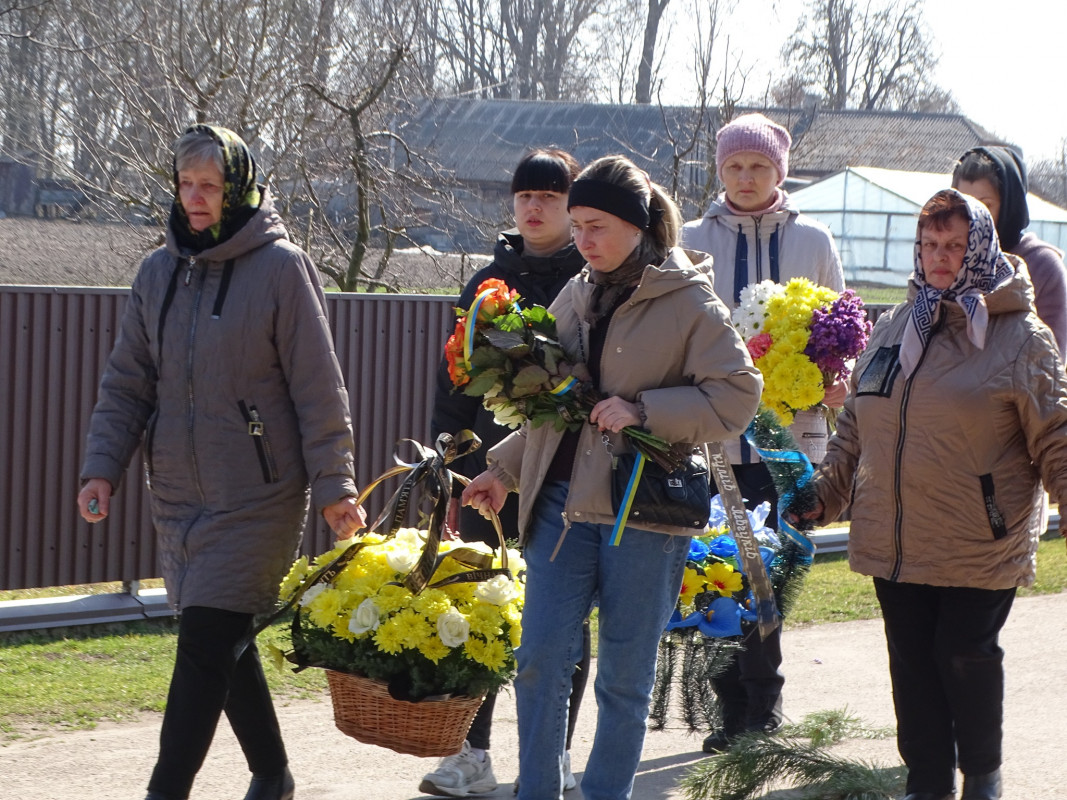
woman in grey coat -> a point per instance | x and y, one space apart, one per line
224 370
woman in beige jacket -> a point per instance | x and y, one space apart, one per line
659 346
957 415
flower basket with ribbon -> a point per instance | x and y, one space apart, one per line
411 630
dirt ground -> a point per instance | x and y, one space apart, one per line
64 253
828 667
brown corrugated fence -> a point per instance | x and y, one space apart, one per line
54 342
53 346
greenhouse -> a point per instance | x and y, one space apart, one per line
872 214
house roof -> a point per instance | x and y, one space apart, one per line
482 140
899 140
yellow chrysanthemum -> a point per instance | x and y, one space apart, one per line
515 634
431 603
323 611
391 599
486 621
292 581
434 649
389 638
492 653
723 579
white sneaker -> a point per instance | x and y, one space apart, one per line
460 775
569 781
568 777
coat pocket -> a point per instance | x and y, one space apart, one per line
880 373
989 497
257 429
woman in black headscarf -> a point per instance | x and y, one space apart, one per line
997 177
224 371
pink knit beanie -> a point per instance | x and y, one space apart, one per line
754 133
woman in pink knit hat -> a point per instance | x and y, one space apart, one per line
753 234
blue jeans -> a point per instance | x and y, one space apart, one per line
636 587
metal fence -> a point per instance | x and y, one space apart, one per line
54 343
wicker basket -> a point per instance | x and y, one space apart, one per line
364 710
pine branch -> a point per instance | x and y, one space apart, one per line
754 763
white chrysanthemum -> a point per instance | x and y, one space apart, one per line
365 618
453 628
497 591
751 311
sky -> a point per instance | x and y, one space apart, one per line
1003 61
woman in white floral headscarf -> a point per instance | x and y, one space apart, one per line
957 414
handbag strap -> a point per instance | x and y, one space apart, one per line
628 495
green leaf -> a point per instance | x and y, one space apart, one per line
487 357
480 384
530 377
510 322
510 342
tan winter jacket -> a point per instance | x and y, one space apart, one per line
229 378
670 347
947 466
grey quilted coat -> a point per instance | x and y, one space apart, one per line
224 367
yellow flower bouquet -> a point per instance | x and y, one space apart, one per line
451 638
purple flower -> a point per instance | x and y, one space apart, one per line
838 334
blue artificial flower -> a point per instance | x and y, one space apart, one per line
677 621
723 618
698 551
723 546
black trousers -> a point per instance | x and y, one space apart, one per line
750 688
478 736
208 681
947 670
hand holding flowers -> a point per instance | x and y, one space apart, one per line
802 338
510 356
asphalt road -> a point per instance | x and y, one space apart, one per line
833 666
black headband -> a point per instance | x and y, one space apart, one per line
610 197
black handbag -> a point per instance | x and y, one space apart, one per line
681 498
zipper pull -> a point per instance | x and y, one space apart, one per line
191 263
255 424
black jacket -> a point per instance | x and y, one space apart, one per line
538 280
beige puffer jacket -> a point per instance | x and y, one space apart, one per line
948 464
671 347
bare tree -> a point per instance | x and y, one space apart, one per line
1048 177
366 178
648 49
863 54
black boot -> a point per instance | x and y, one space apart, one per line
279 787
982 787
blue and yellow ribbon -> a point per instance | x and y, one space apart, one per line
472 318
628 499
786 499
565 386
